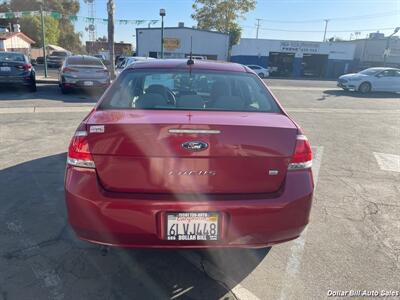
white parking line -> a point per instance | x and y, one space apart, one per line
297 250
388 162
292 267
356 111
44 109
299 88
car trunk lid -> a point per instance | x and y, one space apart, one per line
144 151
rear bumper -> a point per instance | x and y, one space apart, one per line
80 83
129 221
16 80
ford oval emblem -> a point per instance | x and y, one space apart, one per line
195 146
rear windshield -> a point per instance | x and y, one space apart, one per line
59 53
4 56
180 89
84 61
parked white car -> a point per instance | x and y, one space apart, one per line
129 60
262 72
372 80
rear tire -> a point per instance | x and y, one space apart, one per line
261 75
364 88
64 90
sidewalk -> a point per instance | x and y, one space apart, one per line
48 80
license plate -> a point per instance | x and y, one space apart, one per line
88 83
192 226
5 69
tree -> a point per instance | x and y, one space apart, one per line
235 31
68 38
222 15
102 39
32 27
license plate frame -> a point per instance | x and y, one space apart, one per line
189 226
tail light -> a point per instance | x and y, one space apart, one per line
78 151
302 156
25 67
69 70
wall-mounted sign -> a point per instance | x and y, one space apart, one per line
172 43
299 47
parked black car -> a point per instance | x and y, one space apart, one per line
57 58
16 69
40 60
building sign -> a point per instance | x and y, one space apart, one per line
299 47
172 44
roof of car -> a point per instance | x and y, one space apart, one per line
83 57
182 64
11 52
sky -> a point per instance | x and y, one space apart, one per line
282 19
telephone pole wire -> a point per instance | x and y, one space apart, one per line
326 27
258 27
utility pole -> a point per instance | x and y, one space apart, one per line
43 40
386 53
258 27
162 14
326 27
110 10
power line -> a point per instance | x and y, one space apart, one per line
320 31
351 18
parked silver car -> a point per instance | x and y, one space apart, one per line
261 71
82 71
129 60
372 80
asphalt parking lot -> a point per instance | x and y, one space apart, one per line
351 243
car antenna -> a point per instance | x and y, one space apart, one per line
190 60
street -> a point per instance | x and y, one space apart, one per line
351 243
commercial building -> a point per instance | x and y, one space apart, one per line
297 58
370 52
180 41
283 58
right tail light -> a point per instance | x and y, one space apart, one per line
302 156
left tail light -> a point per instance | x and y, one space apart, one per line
78 152
25 67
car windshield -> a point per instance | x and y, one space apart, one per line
370 71
84 61
181 90
4 56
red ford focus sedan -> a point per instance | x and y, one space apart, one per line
188 154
